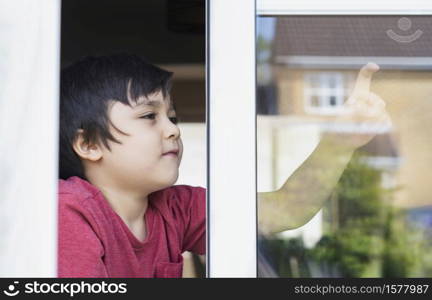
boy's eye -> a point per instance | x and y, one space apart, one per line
152 116
149 116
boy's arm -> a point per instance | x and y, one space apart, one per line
304 193
79 249
192 211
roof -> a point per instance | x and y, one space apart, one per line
351 36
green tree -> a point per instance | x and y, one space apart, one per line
368 231
368 237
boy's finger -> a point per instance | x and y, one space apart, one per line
364 78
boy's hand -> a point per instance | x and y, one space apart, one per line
364 109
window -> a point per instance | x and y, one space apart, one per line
371 218
326 92
152 29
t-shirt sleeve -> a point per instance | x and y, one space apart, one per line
80 251
193 203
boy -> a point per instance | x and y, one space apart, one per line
120 149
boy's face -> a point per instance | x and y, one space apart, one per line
141 161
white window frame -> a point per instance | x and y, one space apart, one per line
231 219
231 118
338 7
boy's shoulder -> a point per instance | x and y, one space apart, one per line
75 185
78 199
77 194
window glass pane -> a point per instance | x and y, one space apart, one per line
315 101
151 31
314 81
331 81
332 100
343 161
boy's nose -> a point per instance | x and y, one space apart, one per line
172 130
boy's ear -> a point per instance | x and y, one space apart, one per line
84 149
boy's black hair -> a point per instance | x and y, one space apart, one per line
87 87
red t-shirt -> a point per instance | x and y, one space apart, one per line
95 242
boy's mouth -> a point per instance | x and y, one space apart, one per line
173 152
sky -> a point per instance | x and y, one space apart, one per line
266 27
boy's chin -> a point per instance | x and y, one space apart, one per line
171 182
168 182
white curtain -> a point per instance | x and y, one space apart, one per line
29 71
